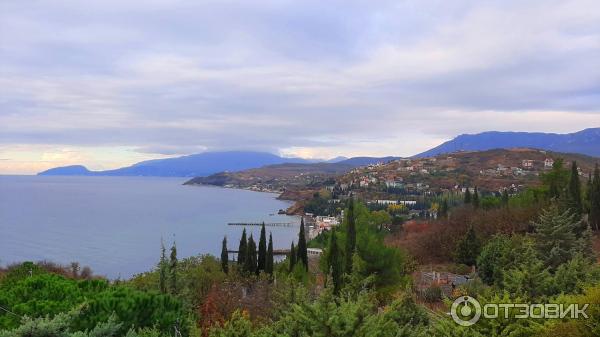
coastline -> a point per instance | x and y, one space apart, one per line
292 196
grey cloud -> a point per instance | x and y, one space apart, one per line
174 77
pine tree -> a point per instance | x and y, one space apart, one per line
302 249
505 197
224 257
350 238
173 270
574 202
468 196
554 236
292 257
476 198
242 250
468 248
162 269
334 263
270 259
594 218
251 265
262 249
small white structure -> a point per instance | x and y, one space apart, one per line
314 251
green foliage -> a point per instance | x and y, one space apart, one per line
475 200
242 250
467 199
173 270
162 267
251 263
292 258
494 259
530 278
262 249
333 259
594 200
351 316
302 249
554 236
573 198
49 295
350 236
224 256
556 180
270 258
468 248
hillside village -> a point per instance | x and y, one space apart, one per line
414 185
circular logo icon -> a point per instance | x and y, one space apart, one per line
463 308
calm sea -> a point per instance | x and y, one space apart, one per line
115 224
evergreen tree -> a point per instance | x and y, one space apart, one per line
302 249
443 212
529 278
262 249
334 263
554 236
292 257
468 248
350 238
574 202
556 179
594 217
224 257
173 270
468 196
162 269
505 197
242 250
475 198
270 259
251 265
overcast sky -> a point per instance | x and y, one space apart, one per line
108 83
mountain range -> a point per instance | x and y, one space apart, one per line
585 142
204 164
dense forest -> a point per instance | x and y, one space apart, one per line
535 246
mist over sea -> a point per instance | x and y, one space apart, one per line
115 224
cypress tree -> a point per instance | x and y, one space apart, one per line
505 198
334 262
173 270
302 249
475 200
594 217
250 265
270 260
242 250
162 269
468 196
262 249
292 257
350 237
574 202
224 257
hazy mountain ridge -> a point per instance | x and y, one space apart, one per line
201 164
583 142
205 164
